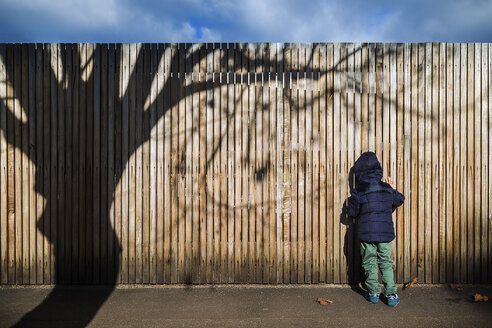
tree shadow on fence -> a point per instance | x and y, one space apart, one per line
80 306
351 243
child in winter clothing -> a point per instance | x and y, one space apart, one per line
372 201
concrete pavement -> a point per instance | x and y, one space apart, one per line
243 306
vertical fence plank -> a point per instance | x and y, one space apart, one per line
407 173
146 165
399 160
358 142
252 160
393 137
294 160
457 161
347 268
345 113
237 153
302 165
96 161
125 171
283 158
25 164
198 179
189 210
244 158
330 156
180 163
485 162
75 156
434 170
414 248
216 158
131 90
449 131
140 98
230 115
46 216
264 164
315 138
322 141
442 178
272 150
89 67
489 241
470 176
111 185
157 235
105 195
336 161
32 170
4 198
463 164
477 167
421 164
308 85
207 165
175 160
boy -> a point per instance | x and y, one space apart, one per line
372 202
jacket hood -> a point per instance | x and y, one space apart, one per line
367 168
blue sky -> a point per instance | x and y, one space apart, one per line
245 21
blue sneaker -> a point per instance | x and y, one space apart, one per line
392 299
373 298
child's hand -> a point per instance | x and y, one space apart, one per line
390 181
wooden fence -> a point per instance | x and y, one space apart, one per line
203 163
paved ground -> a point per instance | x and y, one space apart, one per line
242 306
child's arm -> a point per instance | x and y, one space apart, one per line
398 197
353 204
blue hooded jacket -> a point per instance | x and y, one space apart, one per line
373 201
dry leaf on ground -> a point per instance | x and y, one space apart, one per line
480 298
453 286
411 283
324 301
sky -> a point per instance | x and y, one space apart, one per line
245 21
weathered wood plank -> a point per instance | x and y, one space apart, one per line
330 164
322 142
414 249
24 101
244 159
294 111
4 174
407 173
442 178
180 164
477 159
131 166
337 58
167 162
308 83
207 166
189 210
145 155
302 166
315 140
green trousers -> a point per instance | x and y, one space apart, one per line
374 254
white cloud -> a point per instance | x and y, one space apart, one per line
73 12
247 21
209 35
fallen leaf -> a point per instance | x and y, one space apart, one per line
411 283
480 298
324 301
453 286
